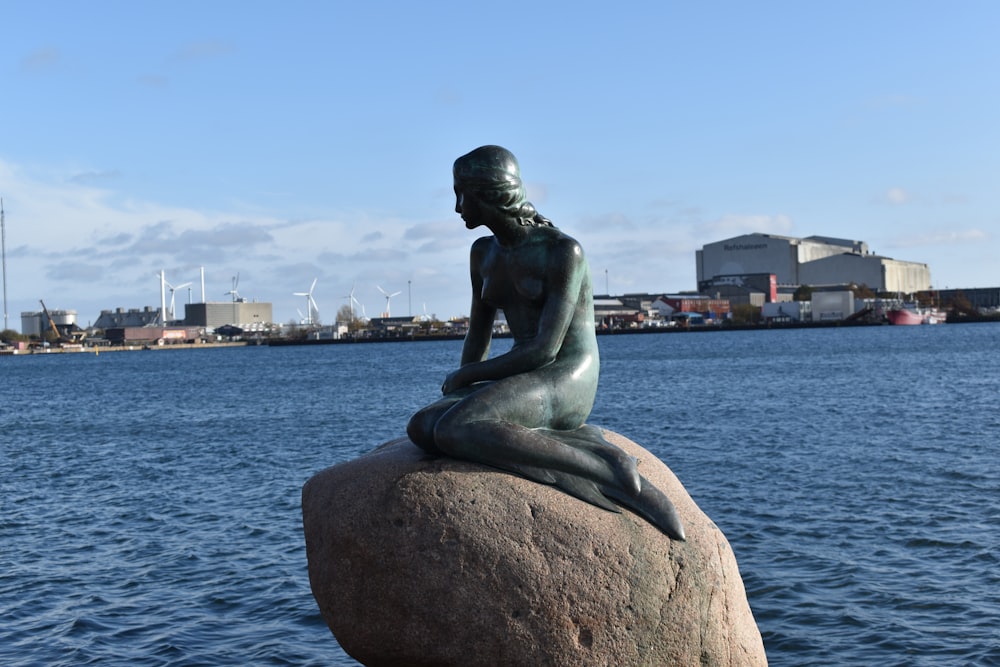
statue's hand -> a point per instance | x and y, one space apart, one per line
452 382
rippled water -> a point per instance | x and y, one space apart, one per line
149 501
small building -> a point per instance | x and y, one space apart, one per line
154 335
786 311
686 319
639 301
833 305
752 288
395 326
612 313
671 305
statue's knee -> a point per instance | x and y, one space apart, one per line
420 432
442 437
452 439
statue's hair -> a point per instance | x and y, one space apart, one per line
491 174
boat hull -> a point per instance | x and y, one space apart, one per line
905 316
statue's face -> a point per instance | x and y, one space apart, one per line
471 208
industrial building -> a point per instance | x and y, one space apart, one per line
34 323
983 299
120 318
674 305
247 315
152 335
611 312
813 261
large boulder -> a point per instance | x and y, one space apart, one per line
431 561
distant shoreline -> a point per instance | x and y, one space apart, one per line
351 340
833 324
102 349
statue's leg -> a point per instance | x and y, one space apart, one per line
590 438
510 446
654 506
506 424
578 471
503 424
420 428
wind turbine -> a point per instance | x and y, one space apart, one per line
236 299
173 314
351 301
310 303
387 298
233 292
363 319
163 298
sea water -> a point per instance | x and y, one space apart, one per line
150 501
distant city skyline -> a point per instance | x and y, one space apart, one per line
314 141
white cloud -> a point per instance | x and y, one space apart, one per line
95 177
204 50
897 196
41 60
735 225
941 237
617 223
87 248
153 80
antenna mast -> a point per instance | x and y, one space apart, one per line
3 249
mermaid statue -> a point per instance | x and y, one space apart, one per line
525 411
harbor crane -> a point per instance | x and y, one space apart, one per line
60 337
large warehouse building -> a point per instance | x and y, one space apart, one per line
247 315
814 261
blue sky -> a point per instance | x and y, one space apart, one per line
297 140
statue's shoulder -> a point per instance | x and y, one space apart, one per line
482 244
568 246
480 248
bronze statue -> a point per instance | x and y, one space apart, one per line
525 411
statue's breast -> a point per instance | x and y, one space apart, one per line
503 293
493 292
513 276
530 287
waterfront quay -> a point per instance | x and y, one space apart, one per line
415 335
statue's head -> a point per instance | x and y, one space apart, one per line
488 166
492 175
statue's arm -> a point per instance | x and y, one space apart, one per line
481 314
480 335
565 276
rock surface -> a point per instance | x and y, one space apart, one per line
422 561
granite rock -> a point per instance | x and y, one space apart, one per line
416 560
